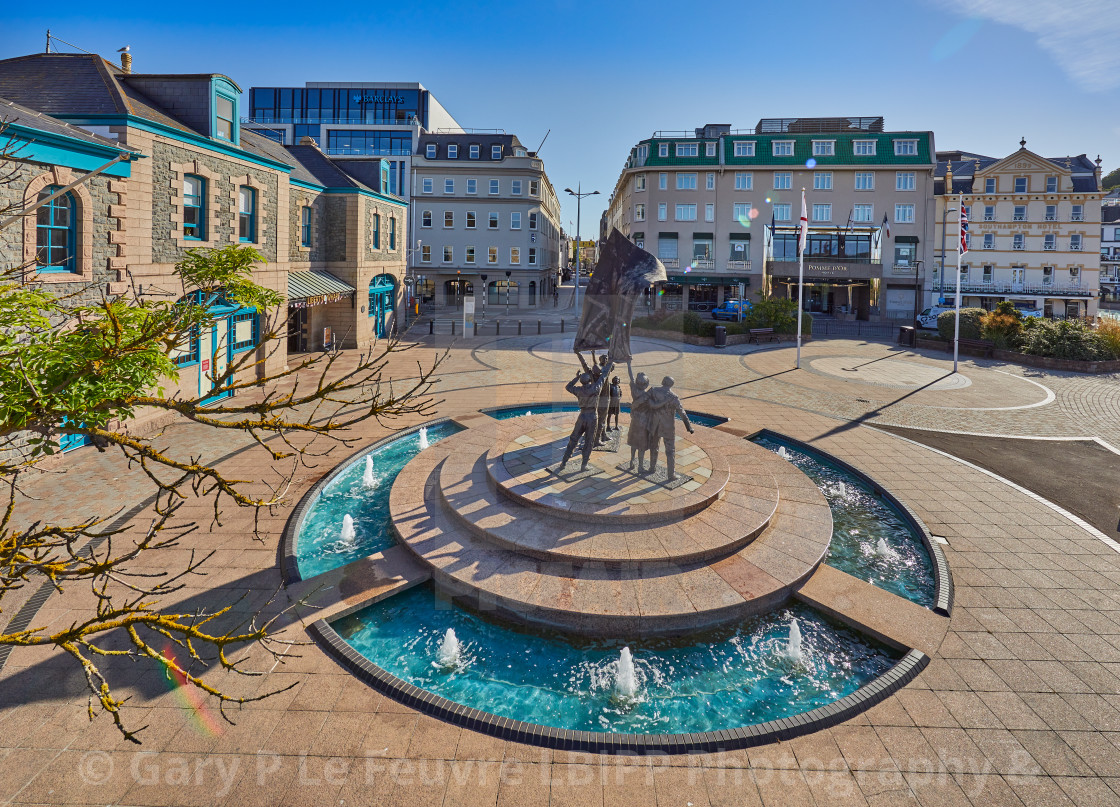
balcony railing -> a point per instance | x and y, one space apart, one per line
356 119
370 152
671 263
703 263
1046 289
738 266
904 269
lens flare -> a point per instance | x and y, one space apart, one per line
954 39
191 698
811 163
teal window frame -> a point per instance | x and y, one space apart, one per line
392 232
222 89
196 202
52 236
305 226
247 219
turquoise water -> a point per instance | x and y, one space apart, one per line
860 519
507 412
733 677
319 547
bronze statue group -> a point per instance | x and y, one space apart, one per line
653 415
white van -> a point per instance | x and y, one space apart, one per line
928 318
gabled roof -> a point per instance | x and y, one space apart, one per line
965 165
20 115
322 169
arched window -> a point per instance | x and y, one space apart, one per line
532 292
194 208
56 234
247 214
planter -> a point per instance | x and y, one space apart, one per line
709 341
1027 360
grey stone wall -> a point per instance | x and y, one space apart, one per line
300 197
366 238
221 223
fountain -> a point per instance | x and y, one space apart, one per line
625 678
369 481
784 454
843 490
348 534
883 549
423 438
449 650
793 648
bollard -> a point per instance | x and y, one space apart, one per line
561 326
452 327
497 328
475 326
538 327
431 326
519 327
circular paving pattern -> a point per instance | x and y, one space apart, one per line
889 373
561 350
736 544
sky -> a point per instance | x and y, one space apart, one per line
599 77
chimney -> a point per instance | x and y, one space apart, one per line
126 59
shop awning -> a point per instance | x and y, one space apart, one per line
316 287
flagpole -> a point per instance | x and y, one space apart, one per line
801 242
957 318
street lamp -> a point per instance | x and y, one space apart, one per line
509 274
941 276
485 294
917 292
579 202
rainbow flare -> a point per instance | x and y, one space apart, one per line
191 698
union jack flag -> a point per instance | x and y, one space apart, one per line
964 230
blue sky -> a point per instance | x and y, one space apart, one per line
979 73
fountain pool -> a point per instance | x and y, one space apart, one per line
507 412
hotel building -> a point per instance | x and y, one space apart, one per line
720 208
1034 231
487 222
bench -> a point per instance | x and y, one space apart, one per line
757 334
984 346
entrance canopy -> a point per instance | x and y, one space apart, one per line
316 287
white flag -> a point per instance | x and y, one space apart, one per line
803 235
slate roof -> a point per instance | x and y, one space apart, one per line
964 165
18 114
464 139
1110 214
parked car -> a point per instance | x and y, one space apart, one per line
1035 313
731 309
928 318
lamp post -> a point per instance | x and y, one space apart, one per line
578 193
917 292
485 294
508 275
944 227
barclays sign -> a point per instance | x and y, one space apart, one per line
377 98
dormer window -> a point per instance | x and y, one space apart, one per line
474 151
430 151
224 95
224 112
452 151
495 152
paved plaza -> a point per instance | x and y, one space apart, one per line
1019 704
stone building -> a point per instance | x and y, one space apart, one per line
487 222
720 208
204 182
1034 230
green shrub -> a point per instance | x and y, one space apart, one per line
971 319
1109 331
1003 327
1066 339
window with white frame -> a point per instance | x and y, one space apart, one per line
515 187
822 212
1075 242
905 148
783 181
822 180
448 254
468 255
710 182
426 253
1019 213
662 213
491 255
426 218
990 185
472 220
741 212
863 148
430 151
687 149
865 181
1051 212
474 152
744 148
662 149
515 255
709 212
989 212
495 187
493 221
1051 184
532 221
903 214
686 213
862 213
515 220
988 269
452 151
783 212
472 186
686 182
744 181
534 187
639 212
904 181
449 186
1047 275
495 152
824 148
710 149
989 241
1020 184
1018 241
448 218
1075 275
663 181
1050 242
640 182
783 148
532 256
1078 213
428 185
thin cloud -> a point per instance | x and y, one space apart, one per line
1081 35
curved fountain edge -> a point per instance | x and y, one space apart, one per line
943 579
289 563
900 674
